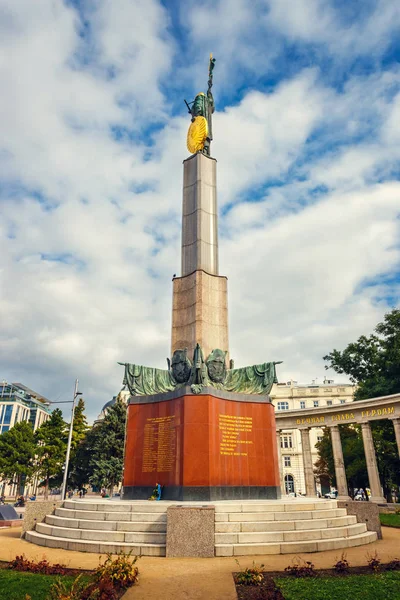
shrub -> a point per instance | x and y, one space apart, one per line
59 591
100 590
250 576
342 565
306 569
96 590
110 578
21 563
374 562
120 571
393 565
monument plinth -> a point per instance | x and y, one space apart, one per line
200 428
210 446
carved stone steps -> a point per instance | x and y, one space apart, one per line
92 546
130 537
249 526
289 536
298 515
109 506
295 547
241 528
146 526
156 517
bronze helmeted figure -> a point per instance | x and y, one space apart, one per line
199 374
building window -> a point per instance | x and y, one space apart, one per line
283 405
302 403
286 461
289 484
286 441
329 402
316 403
8 413
1 413
5 428
342 401
319 438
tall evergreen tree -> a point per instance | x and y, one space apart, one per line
80 425
51 438
81 464
17 454
79 431
99 458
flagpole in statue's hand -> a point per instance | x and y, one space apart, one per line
210 72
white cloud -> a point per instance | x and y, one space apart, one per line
90 219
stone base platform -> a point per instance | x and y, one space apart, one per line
11 523
240 528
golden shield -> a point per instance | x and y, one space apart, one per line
197 134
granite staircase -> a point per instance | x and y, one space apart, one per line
103 527
241 528
287 527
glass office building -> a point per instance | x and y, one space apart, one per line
20 403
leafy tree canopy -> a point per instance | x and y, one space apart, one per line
17 453
51 439
373 362
99 457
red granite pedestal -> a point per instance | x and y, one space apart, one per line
209 446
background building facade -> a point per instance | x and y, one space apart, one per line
20 403
294 396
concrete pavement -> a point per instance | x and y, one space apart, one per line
194 578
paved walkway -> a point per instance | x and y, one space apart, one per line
195 578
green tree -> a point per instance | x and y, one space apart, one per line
17 454
373 363
79 427
51 438
109 448
99 457
81 465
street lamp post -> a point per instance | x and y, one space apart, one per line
64 485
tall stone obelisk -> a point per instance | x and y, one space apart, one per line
202 429
200 303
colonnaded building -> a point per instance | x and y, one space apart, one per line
291 395
294 396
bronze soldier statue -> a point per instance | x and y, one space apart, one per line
200 131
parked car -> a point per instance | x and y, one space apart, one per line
359 496
332 495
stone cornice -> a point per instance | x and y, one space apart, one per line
361 411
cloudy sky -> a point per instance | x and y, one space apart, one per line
93 130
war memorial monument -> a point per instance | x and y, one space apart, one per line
201 428
205 431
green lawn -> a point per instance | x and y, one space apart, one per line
385 586
15 585
390 520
